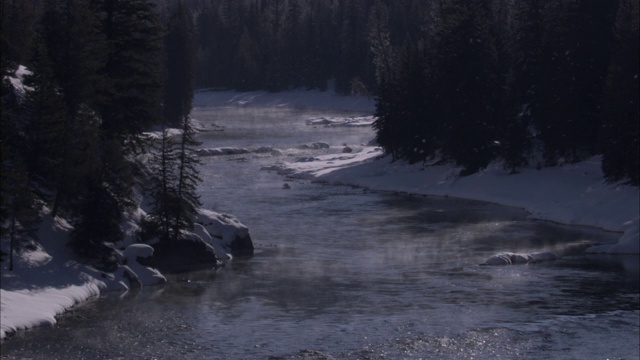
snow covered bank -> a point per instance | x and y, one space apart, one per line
47 280
351 121
295 99
574 194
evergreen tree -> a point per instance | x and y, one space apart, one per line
162 186
187 199
109 194
45 119
18 32
18 211
20 215
466 83
620 133
273 26
130 99
246 63
180 51
388 103
575 51
73 43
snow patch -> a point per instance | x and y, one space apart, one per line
351 121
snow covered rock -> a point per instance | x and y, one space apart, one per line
136 273
315 146
227 232
188 254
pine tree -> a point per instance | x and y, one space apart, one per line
130 100
180 52
74 45
20 215
18 32
388 102
620 134
45 118
162 186
466 82
187 199
574 55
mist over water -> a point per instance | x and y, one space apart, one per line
344 273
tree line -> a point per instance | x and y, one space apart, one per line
283 44
101 74
542 81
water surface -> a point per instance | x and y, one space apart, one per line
345 273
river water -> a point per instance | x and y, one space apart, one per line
345 273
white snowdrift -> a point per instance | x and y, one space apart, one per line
573 194
350 121
23 309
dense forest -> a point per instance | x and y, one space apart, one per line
540 82
101 73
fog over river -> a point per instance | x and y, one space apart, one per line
345 273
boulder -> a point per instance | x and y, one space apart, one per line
181 256
228 233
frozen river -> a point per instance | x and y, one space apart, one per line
343 273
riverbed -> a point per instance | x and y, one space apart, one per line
341 272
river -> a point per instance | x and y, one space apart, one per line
345 273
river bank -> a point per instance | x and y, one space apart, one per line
572 194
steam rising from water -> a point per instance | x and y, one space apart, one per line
348 274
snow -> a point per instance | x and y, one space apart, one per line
224 227
145 275
45 282
574 194
332 121
17 79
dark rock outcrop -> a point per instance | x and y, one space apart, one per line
181 256
241 246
